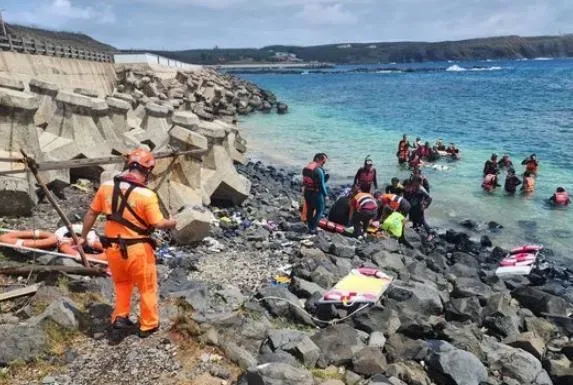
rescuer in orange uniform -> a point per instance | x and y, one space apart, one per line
132 212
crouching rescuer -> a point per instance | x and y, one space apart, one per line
132 212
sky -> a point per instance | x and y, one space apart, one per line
188 24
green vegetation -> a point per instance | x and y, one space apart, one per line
503 47
74 39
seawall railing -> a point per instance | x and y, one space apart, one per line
9 43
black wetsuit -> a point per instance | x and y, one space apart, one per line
490 167
340 211
419 199
511 183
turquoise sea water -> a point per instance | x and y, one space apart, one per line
514 107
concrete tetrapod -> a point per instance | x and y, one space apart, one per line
193 224
47 93
154 127
73 133
220 180
17 131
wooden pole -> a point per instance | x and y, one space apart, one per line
32 165
26 269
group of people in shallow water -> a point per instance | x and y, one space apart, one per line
493 167
418 154
363 207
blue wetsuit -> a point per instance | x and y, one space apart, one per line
316 201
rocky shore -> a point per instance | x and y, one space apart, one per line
446 318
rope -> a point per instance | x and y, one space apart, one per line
332 322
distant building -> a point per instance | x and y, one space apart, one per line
285 56
372 46
344 46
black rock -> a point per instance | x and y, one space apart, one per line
464 309
469 224
485 241
494 226
539 302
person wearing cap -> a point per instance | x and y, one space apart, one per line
505 162
491 167
395 187
132 212
511 182
366 176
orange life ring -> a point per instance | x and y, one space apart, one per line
71 249
36 239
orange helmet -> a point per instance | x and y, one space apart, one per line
142 158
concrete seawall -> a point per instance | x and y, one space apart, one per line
65 73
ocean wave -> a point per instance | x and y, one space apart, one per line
543 58
388 72
457 68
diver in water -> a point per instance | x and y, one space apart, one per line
560 197
528 185
505 162
531 164
440 146
453 151
511 182
403 152
395 187
490 166
490 182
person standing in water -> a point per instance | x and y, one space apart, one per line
505 162
403 152
531 164
511 182
315 192
528 183
395 187
490 166
366 176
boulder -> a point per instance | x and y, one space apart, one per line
541 328
386 260
21 343
539 302
342 246
515 363
279 308
323 277
193 224
464 309
374 320
239 356
471 287
282 337
64 312
417 297
466 337
369 361
410 372
279 356
305 350
529 342
503 327
499 305
377 340
305 289
338 345
457 366
562 376
399 348
278 374
282 108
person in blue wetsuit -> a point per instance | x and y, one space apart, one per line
314 183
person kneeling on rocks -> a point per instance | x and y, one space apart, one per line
394 223
133 213
363 208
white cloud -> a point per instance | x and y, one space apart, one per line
326 14
65 10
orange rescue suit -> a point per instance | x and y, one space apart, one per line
138 269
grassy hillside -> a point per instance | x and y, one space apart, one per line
76 40
503 47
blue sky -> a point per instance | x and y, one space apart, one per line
184 24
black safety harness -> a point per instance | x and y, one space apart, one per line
120 203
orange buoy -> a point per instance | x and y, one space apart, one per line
36 239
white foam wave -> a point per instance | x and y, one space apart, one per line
543 58
388 72
455 68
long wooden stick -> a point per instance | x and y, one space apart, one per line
55 254
28 290
31 164
26 269
75 163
